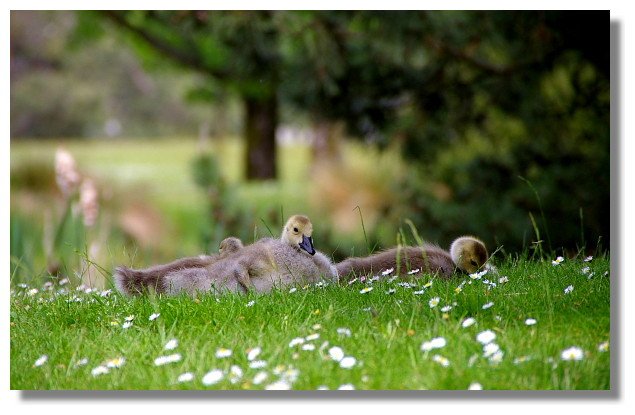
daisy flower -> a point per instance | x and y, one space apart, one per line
343 331
488 305
434 302
391 291
557 261
530 321
259 378
572 353
347 362
235 374
116 362
418 292
41 360
486 336
468 322
336 353
443 361
223 352
164 360
281 385
292 290
253 353
99 370
603 347
251 303
308 347
171 344
257 364
212 377
588 259
446 308
81 362
414 271
185 377
154 316
126 325
503 280
568 289
296 341
346 387
490 348
436 343
365 290
388 271
475 386
129 318
313 336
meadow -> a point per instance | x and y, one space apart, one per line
538 323
533 326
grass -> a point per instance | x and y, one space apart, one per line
386 334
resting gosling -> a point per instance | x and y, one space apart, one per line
260 266
130 280
466 253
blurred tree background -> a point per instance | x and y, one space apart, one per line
487 123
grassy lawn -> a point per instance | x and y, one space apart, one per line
361 335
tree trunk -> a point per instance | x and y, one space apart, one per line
261 119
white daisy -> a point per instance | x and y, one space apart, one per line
336 353
388 271
391 291
603 347
172 344
41 360
503 280
116 362
251 303
490 348
588 259
212 377
488 305
486 336
572 353
346 387
235 374
475 386
365 290
253 353
99 370
281 385
468 322
185 377
446 308
296 341
129 318
127 324
154 316
163 360
435 343
292 290
530 321
568 289
257 364
308 347
434 302
443 361
343 331
222 352
313 336
348 362
81 362
557 261
259 377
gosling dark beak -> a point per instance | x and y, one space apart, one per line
307 245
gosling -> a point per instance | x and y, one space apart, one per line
467 253
130 280
265 264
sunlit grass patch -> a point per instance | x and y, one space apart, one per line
371 334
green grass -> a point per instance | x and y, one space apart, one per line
387 331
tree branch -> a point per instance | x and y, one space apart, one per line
179 56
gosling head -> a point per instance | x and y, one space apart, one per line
468 253
297 233
230 245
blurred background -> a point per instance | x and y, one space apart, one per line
142 136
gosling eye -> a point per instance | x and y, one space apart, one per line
473 262
295 230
